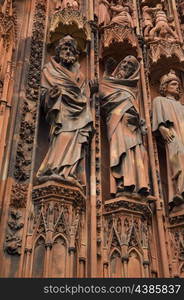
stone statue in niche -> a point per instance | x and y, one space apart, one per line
168 119
115 12
156 24
70 4
67 110
128 157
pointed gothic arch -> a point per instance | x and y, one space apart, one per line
38 257
135 266
115 263
59 257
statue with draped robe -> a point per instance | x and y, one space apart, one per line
128 157
168 120
67 110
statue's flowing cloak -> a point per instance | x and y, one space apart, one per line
170 113
70 119
127 154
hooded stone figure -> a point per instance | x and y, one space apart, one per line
128 158
168 119
67 110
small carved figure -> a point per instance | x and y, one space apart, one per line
128 157
168 118
161 29
147 19
121 14
104 13
71 4
68 111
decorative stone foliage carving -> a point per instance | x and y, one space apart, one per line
19 195
7 24
27 131
13 240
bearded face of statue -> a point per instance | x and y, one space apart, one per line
67 54
126 70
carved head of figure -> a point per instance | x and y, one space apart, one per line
159 6
66 51
170 85
127 67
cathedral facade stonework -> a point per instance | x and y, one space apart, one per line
92 138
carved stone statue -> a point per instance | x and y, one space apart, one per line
71 4
121 14
168 119
67 109
147 20
104 13
156 18
128 158
115 12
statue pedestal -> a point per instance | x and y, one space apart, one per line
127 236
59 192
59 226
176 236
132 203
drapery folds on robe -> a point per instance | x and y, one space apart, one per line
169 112
128 158
104 13
71 124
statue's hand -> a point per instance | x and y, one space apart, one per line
55 92
94 86
166 133
143 127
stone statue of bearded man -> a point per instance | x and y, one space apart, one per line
68 112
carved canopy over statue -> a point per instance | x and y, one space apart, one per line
168 119
156 24
128 157
115 12
67 110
